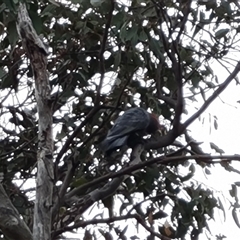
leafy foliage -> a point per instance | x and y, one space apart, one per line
104 58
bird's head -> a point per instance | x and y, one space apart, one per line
154 124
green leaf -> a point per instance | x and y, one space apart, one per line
88 235
3 73
12 33
233 191
198 27
237 183
10 5
153 172
60 135
221 206
235 217
221 33
124 206
142 36
6 82
210 84
108 203
37 22
172 176
131 32
48 10
155 46
227 7
160 214
195 79
117 60
216 148
215 124
207 171
210 4
79 182
96 3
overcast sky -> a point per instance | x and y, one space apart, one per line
226 137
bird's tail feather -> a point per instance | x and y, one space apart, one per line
112 144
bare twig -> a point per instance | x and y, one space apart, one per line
217 92
63 189
83 224
186 10
101 53
74 134
172 51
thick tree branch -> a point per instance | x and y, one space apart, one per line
211 159
172 135
135 159
11 224
37 53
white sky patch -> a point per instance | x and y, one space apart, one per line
226 137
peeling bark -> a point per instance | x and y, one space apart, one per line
37 52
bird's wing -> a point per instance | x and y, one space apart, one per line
133 120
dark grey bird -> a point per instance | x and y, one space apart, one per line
131 126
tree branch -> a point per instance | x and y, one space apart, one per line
37 53
59 199
171 48
101 53
172 135
83 224
74 134
217 92
135 156
160 160
63 188
11 224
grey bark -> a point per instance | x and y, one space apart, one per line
37 53
11 225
